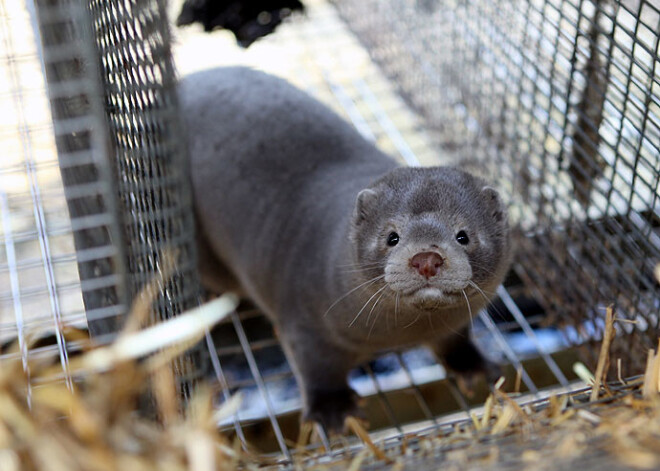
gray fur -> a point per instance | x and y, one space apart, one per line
295 207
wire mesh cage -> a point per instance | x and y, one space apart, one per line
507 90
403 390
86 228
40 282
557 101
560 100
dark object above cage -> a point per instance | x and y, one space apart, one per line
248 20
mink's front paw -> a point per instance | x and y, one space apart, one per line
468 377
330 408
466 362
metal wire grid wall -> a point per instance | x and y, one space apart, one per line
40 287
89 189
86 227
140 102
561 101
140 94
131 48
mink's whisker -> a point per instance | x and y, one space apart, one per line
365 305
368 282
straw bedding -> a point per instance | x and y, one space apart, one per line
95 425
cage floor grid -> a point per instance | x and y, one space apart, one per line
560 431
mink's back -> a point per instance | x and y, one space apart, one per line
275 175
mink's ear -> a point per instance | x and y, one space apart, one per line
494 204
364 204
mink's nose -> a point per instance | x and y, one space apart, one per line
427 263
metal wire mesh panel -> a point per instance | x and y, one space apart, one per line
86 228
40 284
140 101
130 42
561 101
82 142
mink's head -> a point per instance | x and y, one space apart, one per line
435 234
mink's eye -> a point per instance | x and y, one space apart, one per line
462 238
392 239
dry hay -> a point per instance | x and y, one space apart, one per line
619 431
95 426
610 425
